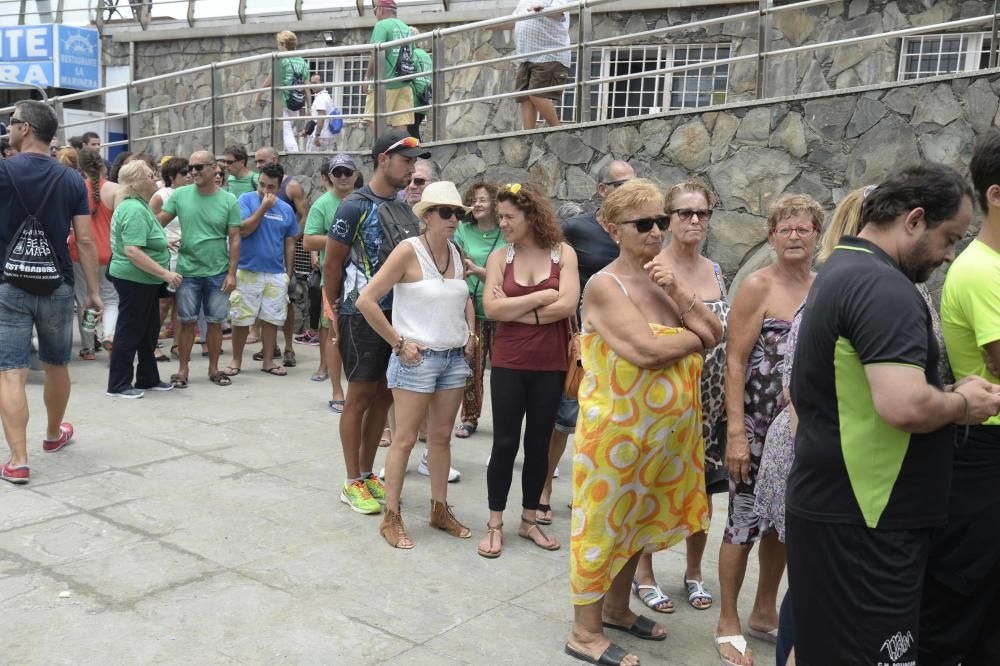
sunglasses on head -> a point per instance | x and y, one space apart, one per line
198 167
405 142
645 224
446 213
342 172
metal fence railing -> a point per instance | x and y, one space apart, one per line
218 113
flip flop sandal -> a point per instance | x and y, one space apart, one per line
766 636
336 406
173 353
179 381
320 377
220 379
259 356
230 371
288 359
276 371
465 431
739 644
385 441
532 525
490 530
88 354
613 656
653 598
641 628
696 590
544 508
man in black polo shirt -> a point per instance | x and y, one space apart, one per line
874 443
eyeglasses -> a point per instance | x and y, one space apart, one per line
198 167
617 183
685 214
230 161
418 182
17 121
185 171
341 172
447 213
802 232
645 224
405 142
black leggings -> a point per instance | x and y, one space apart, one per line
136 334
533 397
315 306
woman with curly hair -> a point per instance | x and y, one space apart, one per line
101 195
477 237
532 288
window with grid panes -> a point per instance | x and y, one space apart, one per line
350 99
932 55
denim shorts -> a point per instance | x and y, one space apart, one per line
52 315
196 292
569 409
435 371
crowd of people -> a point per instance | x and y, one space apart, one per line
823 402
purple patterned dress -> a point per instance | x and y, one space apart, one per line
763 400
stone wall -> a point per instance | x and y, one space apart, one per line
805 72
822 144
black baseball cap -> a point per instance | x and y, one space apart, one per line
395 141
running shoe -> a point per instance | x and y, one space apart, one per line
375 488
20 474
65 437
422 469
310 338
355 494
128 394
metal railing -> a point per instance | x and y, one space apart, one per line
216 121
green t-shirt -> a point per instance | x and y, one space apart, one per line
240 186
422 61
288 66
133 223
970 312
477 246
205 223
389 30
320 219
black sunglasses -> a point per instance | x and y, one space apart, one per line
446 213
198 167
17 121
340 172
419 182
184 172
645 224
230 161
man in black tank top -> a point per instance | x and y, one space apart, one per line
291 192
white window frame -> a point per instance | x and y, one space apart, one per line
602 103
332 70
972 50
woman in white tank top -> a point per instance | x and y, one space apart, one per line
432 316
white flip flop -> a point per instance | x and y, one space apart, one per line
738 642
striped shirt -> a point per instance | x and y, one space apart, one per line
544 32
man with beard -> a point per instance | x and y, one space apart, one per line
353 256
960 611
874 444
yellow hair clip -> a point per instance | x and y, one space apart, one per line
513 188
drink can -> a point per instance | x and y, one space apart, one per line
89 319
171 288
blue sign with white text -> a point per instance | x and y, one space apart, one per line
51 56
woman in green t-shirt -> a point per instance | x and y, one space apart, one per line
140 261
477 237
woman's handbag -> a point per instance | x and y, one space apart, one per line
574 371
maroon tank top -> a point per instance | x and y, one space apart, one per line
520 346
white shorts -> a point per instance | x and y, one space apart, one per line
261 296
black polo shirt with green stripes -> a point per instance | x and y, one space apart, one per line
850 465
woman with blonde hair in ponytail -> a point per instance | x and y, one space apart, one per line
101 194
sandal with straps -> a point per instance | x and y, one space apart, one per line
490 531
653 598
697 592
533 525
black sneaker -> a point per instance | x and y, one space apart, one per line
130 394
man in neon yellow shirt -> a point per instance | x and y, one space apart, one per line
961 607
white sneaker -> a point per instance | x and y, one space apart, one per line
555 474
453 474
381 474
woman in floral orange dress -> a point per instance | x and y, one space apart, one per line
638 465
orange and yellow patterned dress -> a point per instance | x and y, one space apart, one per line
638 463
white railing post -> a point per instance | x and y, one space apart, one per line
276 130
380 123
762 21
583 52
218 111
437 86
993 37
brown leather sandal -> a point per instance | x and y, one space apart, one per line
443 519
532 525
490 531
393 531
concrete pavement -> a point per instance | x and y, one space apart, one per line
204 526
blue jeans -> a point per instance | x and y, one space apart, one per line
52 315
435 371
198 292
569 409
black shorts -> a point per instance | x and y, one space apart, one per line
855 592
960 629
365 353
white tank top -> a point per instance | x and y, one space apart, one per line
432 311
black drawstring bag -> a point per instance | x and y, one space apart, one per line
31 262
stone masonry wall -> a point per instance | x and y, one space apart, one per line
805 72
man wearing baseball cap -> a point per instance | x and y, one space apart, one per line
398 94
367 225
